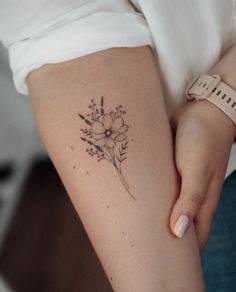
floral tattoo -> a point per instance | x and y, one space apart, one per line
106 133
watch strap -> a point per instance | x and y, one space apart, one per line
211 87
224 97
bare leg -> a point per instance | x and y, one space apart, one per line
131 236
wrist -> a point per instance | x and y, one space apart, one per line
225 67
218 106
214 117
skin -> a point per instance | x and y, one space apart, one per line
132 238
203 139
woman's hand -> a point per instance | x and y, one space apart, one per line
203 139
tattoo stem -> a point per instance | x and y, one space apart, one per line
125 184
110 156
113 155
112 159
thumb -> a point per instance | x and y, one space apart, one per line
193 191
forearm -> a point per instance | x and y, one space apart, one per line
131 237
226 67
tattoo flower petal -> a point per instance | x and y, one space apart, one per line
102 142
111 129
114 135
121 137
110 143
117 123
97 127
98 136
124 129
107 121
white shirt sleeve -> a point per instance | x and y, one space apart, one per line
44 32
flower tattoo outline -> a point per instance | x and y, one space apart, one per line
106 133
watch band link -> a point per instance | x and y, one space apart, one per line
214 90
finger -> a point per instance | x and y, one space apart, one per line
203 220
202 228
193 190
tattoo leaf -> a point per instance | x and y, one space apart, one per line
86 120
86 132
120 159
86 140
102 104
122 152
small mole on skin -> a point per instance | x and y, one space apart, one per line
132 245
74 167
72 148
132 140
108 206
123 232
87 172
111 278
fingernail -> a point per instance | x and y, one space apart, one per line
181 225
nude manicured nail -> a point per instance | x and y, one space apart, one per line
181 225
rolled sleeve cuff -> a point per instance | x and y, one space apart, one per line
93 33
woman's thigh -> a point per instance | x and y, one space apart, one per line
103 121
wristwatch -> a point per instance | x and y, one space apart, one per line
212 88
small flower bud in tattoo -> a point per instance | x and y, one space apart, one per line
106 134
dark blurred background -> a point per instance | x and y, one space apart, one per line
46 247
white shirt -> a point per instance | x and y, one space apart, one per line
187 37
